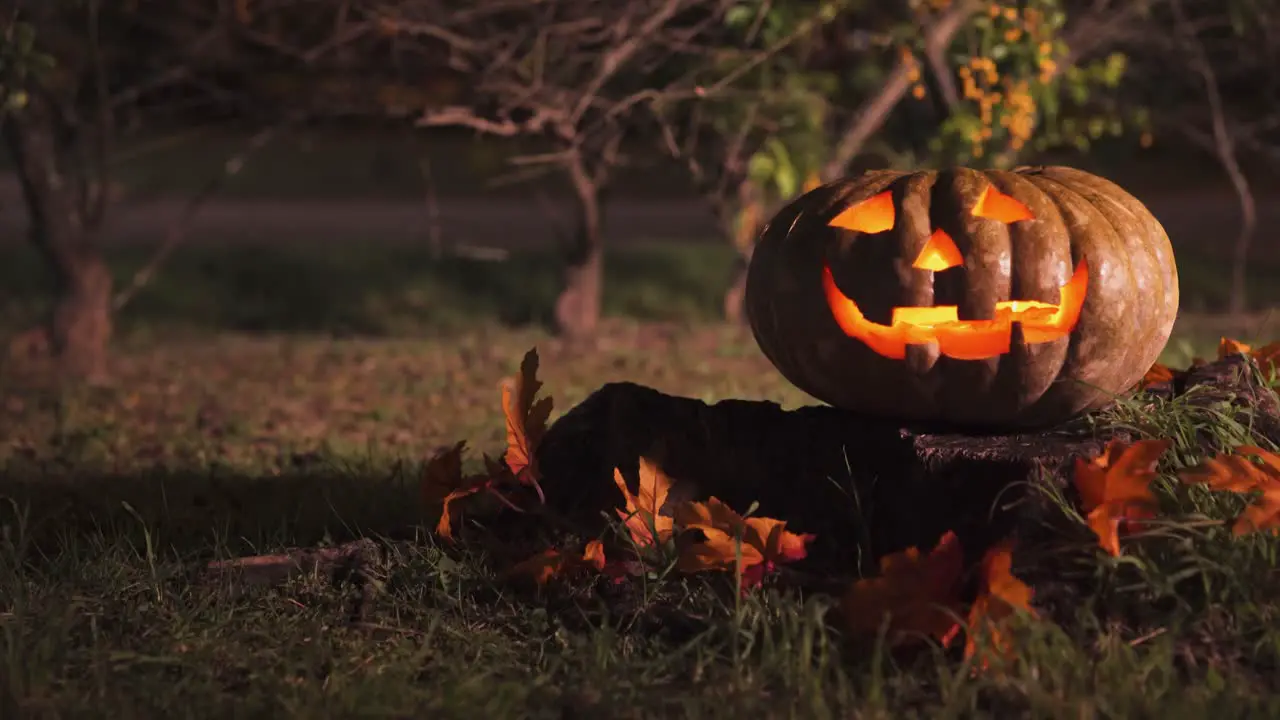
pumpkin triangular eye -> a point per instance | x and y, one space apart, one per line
939 253
995 205
873 215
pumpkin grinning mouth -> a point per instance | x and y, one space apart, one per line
1041 322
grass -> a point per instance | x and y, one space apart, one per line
345 289
103 615
306 423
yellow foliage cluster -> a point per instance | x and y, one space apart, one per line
1002 97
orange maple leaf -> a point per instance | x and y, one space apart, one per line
918 594
641 513
1237 473
1000 596
1267 356
1155 375
763 542
1227 346
443 485
470 485
442 474
526 421
1115 488
552 563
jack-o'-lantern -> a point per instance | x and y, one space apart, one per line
994 299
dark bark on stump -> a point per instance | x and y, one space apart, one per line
865 486
1235 384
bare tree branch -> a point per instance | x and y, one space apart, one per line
468 117
935 55
619 55
178 229
869 118
571 72
1224 149
104 131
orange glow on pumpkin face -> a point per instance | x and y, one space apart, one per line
960 339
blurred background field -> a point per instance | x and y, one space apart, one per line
399 249
332 232
314 307
361 292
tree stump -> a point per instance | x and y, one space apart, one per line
865 486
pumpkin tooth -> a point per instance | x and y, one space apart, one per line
1017 336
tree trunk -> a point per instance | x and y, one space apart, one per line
577 310
743 229
735 298
81 322
1238 301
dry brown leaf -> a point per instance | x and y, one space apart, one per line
919 594
762 542
526 419
1227 347
443 485
1267 356
641 512
540 568
1115 488
593 554
1155 375
551 563
1000 596
442 475
1237 473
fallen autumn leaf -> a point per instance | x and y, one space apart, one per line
1115 488
917 595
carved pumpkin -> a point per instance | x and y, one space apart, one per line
995 298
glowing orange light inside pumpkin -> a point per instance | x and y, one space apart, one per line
961 339
995 205
873 215
939 253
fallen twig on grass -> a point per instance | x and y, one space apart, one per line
278 568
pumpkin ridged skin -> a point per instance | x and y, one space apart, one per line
1128 313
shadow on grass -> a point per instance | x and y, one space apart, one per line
360 288
193 511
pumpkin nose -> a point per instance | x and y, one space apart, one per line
939 253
